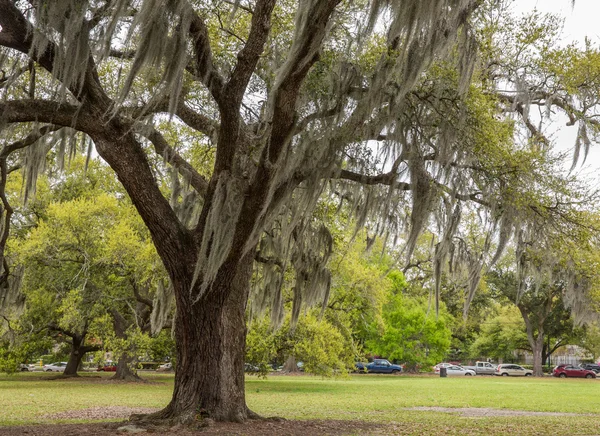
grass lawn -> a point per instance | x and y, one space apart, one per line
29 398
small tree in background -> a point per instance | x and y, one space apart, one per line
411 333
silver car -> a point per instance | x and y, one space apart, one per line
55 367
507 369
458 370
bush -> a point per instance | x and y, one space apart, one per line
317 343
547 369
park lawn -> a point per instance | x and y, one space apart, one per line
26 398
29 398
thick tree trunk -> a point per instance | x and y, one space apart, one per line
291 365
125 361
210 338
536 340
124 371
77 352
545 355
537 347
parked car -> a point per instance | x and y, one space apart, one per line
437 367
456 370
507 369
23 367
107 367
379 366
482 368
591 366
55 367
169 367
572 371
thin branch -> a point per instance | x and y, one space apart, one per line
138 296
239 5
120 54
28 140
268 260
163 149
387 179
203 66
17 33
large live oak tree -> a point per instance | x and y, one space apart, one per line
286 93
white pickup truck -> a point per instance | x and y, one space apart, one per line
481 368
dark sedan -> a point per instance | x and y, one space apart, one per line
572 371
379 366
591 366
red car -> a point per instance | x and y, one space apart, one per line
107 367
572 371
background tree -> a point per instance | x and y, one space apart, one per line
88 258
411 333
590 340
359 286
501 336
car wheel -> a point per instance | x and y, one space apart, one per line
589 376
563 375
395 371
528 374
48 370
469 374
504 374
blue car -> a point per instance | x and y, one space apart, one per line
379 366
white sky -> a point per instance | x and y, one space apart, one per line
581 21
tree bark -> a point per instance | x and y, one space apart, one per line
536 341
124 371
210 338
537 346
545 355
124 361
291 365
77 352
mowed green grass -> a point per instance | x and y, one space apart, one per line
29 398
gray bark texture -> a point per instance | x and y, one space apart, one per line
535 334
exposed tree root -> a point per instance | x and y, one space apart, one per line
164 418
63 376
128 378
255 416
167 419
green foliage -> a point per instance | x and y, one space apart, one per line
590 340
10 358
87 248
501 336
321 347
411 333
261 345
162 347
360 282
317 343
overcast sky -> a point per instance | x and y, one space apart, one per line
581 21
